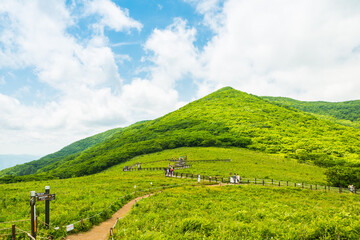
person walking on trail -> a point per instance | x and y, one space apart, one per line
238 178
351 188
169 167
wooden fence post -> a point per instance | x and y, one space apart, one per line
287 183
272 181
255 181
302 185
310 187
13 232
263 182
33 217
279 183
315 186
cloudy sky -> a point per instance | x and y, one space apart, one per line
70 69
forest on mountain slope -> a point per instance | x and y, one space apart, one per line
346 111
69 152
225 118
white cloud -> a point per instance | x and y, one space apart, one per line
301 49
112 16
211 10
173 53
84 72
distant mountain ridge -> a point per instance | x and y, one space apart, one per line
9 160
348 110
226 118
66 153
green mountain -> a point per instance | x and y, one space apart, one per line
349 110
224 118
67 153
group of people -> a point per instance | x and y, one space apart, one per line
352 188
235 178
169 172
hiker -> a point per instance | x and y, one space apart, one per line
172 171
139 166
351 188
238 178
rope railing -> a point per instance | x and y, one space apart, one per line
13 221
211 160
29 235
124 196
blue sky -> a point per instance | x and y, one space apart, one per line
71 69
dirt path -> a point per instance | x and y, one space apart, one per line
102 231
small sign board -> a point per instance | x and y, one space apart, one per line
69 227
46 196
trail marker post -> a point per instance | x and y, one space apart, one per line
47 197
47 208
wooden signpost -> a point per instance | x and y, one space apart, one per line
47 197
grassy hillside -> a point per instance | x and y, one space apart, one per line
69 152
349 110
87 196
243 212
224 118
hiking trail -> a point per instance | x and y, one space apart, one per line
102 231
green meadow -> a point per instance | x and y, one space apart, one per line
243 212
84 197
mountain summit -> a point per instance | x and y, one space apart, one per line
227 118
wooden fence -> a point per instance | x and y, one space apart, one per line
264 182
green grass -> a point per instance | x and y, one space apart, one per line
77 198
248 164
83 197
243 212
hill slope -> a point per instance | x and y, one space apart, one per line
349 110
69 152
226 117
